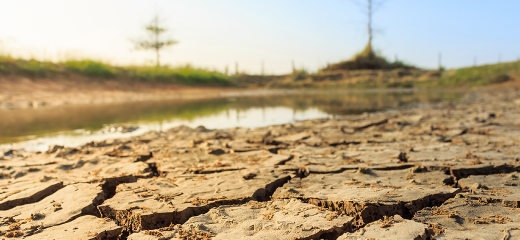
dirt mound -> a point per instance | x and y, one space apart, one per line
367 59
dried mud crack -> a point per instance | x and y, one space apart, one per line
370 195
158 202
444 172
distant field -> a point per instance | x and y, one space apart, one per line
389 78
480 75
191 76
185 75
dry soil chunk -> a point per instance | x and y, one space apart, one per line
65 204
371 194
509 181
26 192
391 228
462 218
85 227
498 187
262 157
81 170
282 219
122 168
241 145
155 203
293 137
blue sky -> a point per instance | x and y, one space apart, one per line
219 33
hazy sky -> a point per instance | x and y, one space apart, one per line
218 33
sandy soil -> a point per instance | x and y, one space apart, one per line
20 92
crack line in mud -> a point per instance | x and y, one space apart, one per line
365 213
110 184
36 197
484 170
133 222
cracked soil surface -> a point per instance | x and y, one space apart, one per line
449 171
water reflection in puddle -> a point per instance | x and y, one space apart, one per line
254 117
36 129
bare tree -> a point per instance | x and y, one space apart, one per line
369 8
369 27
154 41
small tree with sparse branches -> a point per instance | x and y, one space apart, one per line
369 6
367 59
154 41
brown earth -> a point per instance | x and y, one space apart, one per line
22 92
445 172
344 78
19 92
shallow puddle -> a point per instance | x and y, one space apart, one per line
74 125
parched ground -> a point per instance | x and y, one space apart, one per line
445 172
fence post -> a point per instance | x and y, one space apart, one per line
439 60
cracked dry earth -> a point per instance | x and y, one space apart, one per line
445 172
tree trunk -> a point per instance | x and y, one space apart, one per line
369 22
157 57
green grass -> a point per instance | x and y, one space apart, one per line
185 75
480 75
463 77
91 68
30 68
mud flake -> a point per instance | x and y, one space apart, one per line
492 219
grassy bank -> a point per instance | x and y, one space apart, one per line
404 77
480 75
186 75
463 77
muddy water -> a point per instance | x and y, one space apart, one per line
73 125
